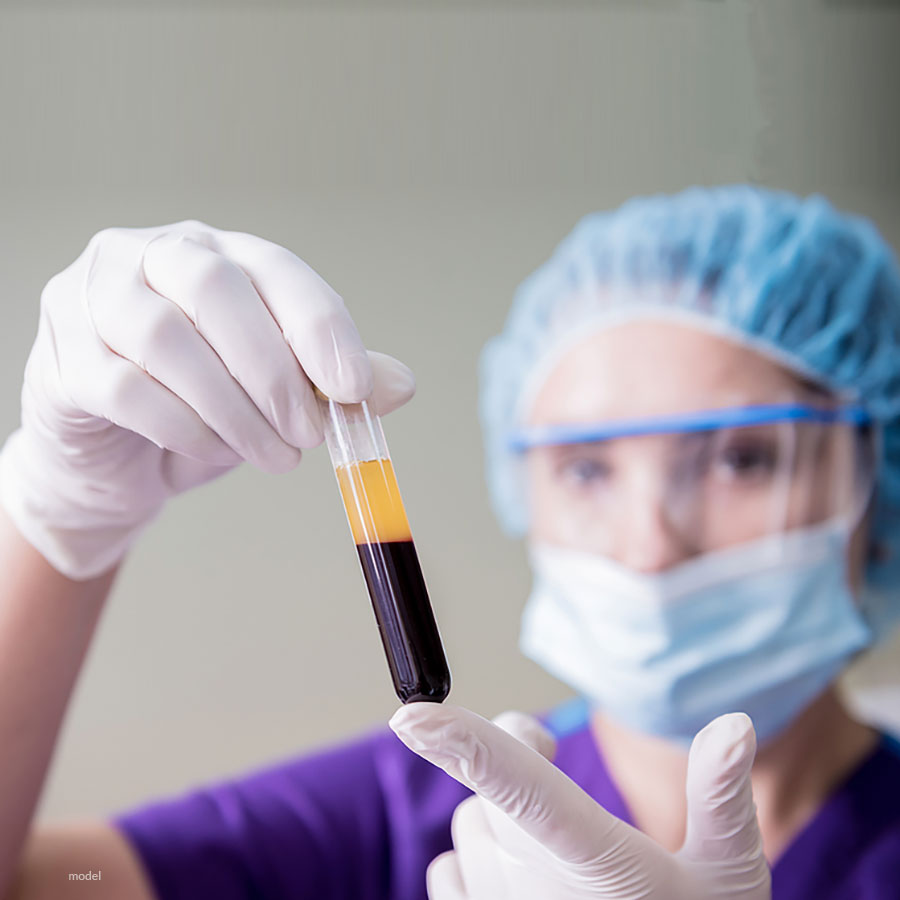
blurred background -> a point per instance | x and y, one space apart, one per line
423 157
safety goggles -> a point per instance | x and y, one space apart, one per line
705 479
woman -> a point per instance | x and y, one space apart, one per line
691 413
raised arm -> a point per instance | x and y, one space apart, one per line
164 357
46 624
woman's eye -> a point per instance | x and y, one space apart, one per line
585 471
748 460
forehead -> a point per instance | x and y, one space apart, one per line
648 367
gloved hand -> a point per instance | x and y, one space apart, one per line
164 357
530 832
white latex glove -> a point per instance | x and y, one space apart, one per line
164 357
531 833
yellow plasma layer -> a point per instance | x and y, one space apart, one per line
372 500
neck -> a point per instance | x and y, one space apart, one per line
792 776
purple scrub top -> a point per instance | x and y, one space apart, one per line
361 821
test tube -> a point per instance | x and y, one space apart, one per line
387 554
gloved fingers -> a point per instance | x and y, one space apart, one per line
516 842
528 730
721 815
223 305
535 795
180 473
128 397
311 315
394 383
444 879
476 848
155 334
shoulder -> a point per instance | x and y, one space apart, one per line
325 824
873 793
879 803
878 870
852 846
350 780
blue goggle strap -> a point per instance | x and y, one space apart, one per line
699 420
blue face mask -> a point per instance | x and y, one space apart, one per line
762 628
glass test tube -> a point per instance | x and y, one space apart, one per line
386 551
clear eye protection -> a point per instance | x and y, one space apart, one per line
704 479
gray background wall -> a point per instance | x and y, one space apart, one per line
423 157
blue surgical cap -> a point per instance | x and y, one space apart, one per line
812 287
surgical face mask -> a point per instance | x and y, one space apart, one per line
762 628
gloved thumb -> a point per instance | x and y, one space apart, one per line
721 815
394 383
529 731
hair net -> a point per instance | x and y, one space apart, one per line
814 288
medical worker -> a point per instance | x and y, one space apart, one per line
692 417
